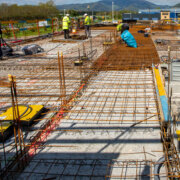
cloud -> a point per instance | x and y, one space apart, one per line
19 2
72 1
60 2
164 2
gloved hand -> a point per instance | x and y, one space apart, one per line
121 41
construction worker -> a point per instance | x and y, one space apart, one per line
78 23
66 26
1 53
147 32
127 37
87 24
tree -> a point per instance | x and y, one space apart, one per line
28 12
73 13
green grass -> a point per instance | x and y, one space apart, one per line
26 33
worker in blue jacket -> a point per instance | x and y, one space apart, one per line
127 37
1 53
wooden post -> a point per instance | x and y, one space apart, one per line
13 30
53 26
38 28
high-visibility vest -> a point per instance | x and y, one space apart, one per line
119 27
66 22
87 20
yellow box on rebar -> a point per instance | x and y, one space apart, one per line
6 130
27 113
178 134
4 126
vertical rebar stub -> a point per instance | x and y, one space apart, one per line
10 77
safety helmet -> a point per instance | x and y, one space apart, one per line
125 27
85 14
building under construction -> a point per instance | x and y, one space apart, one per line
92 108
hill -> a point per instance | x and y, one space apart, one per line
106 5
177 5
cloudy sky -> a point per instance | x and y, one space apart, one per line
59 2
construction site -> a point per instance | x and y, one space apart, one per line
92 108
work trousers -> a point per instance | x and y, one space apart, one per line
87 30
66 33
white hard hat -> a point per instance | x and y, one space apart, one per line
67 14
85 14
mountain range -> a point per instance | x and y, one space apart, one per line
106 5
177 5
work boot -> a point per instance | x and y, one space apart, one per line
3 58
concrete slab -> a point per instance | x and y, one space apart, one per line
107 129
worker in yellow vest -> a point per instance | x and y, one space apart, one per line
87 24
66 25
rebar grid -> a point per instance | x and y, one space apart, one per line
87 169
67 168
121 57
44 74
132 169
35 80
111 100
165 27
172 160
173 42
108 99
103 105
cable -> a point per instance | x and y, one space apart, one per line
51 49
27 108
158 166
5 108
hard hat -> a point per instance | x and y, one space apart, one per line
67 14
85 14
125 27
